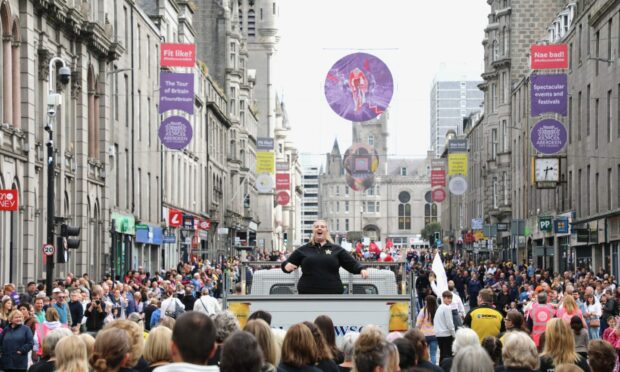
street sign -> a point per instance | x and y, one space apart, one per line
170 239
283 198
560 225
188 221
8 200
177 55
175 218
439 195
502 227
476 223
457 185
48 250
554 56
438 177
204 224
545 224
457 145
548 136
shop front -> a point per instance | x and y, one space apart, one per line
123 231
149 239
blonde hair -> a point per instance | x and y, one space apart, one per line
261 330
51 315
13 313
520 351
328 237
89 341
157 348
559 342
111 347
71 355
136 339
569 304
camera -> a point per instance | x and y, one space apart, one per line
48 127
64 75
51 111
49 143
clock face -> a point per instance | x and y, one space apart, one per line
547 169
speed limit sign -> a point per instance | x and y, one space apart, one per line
48 249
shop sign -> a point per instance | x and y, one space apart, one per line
8 200
169 239
554 56
545 224
560 225
549 94
188 222
177 55
175 218
124 224
548 136
148 234
502 227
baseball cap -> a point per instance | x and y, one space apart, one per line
56 290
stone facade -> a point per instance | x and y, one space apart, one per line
397 206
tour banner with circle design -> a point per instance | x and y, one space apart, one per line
361 161
359 87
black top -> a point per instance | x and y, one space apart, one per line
43 366
327 365
425 364
320 265
547 365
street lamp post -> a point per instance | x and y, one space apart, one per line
53 100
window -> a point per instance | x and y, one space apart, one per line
403 171
505 186
570 195
148 54
570 119
608 193
404 216
493 144
504 136
609 39
371 140
588 111
337 224
346 224
346 191
337 207
139 49
430 209
609 116
587 195
493 97
596 101
597 42
232 102
579 43
251 23
233 56
570 57
596 192
579 117
495 192
346 206
337 190
579 196
371 207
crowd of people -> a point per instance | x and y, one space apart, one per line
492 317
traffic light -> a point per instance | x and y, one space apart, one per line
437 237
71 234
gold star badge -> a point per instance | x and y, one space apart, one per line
328 251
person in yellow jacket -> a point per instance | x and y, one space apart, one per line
485 320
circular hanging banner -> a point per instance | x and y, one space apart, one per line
175 132
457 185
264 182
439 195
359 87
283 198
360 161
548 136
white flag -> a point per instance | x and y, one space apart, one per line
441 283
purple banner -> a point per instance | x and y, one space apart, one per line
359 87
175 132
548 136
176 92
548 94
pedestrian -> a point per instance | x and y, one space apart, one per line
71 355
424 323
193 343
347 344
47 363
560 347
207 304
473 359
39 311
16 342
592 317
581 336
485 320
326 326
111 351
76 309
539 315
514 322
464 337
61 306
324 358
416 337
266 341
444 326
251 360
95 314
474 286
371 351
601 356
157 351
320 261
5 310
519 354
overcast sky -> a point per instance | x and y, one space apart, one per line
414 38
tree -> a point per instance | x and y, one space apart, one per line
429 230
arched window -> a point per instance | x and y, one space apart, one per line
240 12
404 211
16 81
495 50
251 23
93 114
430 209
6 70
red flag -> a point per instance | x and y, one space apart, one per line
388 243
